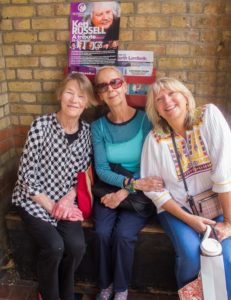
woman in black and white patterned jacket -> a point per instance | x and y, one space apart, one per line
57 148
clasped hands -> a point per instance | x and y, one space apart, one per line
65 209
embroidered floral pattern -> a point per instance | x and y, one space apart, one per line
192 151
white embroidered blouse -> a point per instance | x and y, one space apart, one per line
205 157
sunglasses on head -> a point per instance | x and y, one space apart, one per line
114 83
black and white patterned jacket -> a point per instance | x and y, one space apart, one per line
49 164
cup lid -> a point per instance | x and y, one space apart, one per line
211 247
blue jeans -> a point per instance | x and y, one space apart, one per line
115 235
186 243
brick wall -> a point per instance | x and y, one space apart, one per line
5 152
191 40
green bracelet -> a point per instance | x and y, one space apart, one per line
130 187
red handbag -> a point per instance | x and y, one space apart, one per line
84 192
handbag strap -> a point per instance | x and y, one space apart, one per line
190 198
214 233
179 163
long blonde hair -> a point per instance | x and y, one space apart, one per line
175 86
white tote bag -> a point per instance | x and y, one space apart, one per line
212 269
211 283
213 278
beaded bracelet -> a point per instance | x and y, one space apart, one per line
130 187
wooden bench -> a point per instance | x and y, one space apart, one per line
153 269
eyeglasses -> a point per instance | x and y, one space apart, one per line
114 83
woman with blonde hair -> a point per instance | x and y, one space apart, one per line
203 142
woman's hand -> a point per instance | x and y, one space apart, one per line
199 223
71 213
74 214
196 222
148 184
62 208
112 200
223 230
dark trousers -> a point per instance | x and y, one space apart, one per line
60 251
115 234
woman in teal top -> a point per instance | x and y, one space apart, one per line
117 141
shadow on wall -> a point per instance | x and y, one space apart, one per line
7 181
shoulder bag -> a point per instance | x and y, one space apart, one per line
205 204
